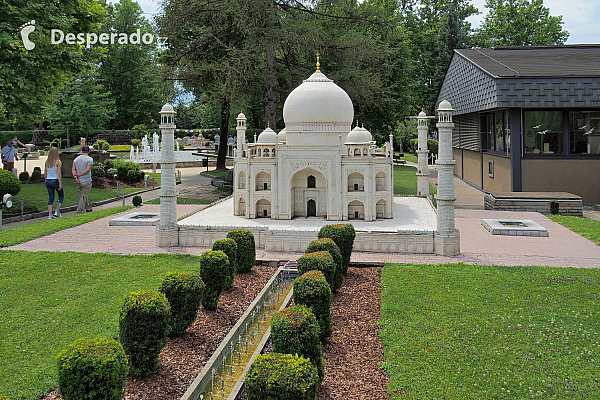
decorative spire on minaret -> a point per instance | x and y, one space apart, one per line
318 63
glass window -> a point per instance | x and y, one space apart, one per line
543 132
584 132
499 131
311 182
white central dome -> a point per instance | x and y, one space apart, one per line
318 104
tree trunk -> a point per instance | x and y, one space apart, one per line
271 93
224 133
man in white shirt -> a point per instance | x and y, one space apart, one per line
82 172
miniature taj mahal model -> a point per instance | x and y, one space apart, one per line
316 171
316 166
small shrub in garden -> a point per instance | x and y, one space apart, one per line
295 330
111 172
281 376
246 250
184 292
123 167
343 235
38 169
320 261
329 246
9 183
229 247
144 325
137 200
36 175
312 290
24 176
92 369
214 272
98 171
554 207
108 164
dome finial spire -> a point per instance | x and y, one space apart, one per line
318 63
268 124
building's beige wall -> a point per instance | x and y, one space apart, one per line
501 182
472 167
577 176
457 153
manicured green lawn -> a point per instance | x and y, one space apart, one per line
410 157
183 200
34 230
483 332
219 173
50 299
405 181
588 228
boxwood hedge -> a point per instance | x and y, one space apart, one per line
246 249
214 272
312 290
230 248
328 245
320 261
184 293
343 235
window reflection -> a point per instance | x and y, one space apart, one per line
543 132
584 132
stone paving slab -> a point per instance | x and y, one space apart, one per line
563 248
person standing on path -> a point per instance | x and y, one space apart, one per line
53 176
82 172
9 156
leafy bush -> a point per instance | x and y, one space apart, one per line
123 167
343 235
92 369
111 172
312 290
98 171
36 175
295 330
143 329
38 169
108 164
246 250
230 248
320 261
328 245
136 142
9 183
414 145
28 208
101 144
554 205
214 271
137 200
281 376
184 292
138 131
24 176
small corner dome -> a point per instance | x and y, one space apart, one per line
268 136
422 114
241 116
320 103
359 135
445 106
281 136
167 108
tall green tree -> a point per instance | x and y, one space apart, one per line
131 72
520 23
29 77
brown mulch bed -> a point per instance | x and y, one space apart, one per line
183 358
354 349
105 183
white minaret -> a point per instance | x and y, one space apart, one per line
422 153
241 133
447 238
167 233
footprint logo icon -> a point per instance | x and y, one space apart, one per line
26 29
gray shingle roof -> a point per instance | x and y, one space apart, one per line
537 61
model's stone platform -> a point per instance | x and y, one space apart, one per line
410 231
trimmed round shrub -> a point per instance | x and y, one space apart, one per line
36 175
184 293
98 171
214 272
554 206
134 175
312 290
281 376
144 325
111 172
343 235
137 200
9 183
123 167
246 250
329 246
229 247
108 164
92 369
320 261
24 176
38 169
295 330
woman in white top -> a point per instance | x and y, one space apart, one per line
54 181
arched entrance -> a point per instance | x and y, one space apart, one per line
263 208
356 210
380 208
311 208
242 207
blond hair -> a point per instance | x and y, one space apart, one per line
52 158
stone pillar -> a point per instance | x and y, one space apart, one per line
447 238
423 154
167 233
